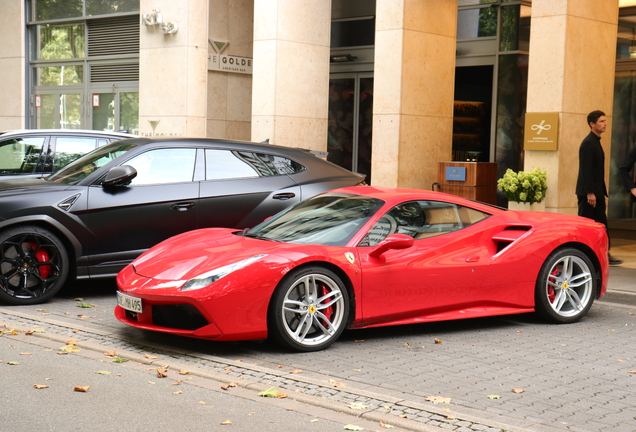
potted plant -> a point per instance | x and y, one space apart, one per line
524 189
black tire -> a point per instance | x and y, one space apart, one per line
33 265
309 309
566 286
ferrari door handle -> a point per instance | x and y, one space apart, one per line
182 206
473 259
284 196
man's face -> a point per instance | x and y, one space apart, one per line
599 127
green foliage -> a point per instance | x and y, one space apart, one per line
524 186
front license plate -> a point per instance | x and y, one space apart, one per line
132 304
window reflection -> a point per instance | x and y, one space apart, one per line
60 41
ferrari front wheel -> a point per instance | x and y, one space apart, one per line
33 265
309 309
566 286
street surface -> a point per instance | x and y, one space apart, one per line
504 373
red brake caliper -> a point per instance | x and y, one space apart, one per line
41 255
551 292
328 311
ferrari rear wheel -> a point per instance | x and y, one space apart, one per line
33 265
309 309
566 286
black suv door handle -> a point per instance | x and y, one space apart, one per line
182 206
284 196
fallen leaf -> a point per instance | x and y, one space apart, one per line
494 396
386 426
85 305
313 421
270 392
162 373
336 383
227 386
119 360
229 368
151 357
226 422
39 330
40 386
78 299
357 370
201 403
26 332
103 372
71 342
357 406
632 372
81 389
281 395
183 372
26 353
110 353
177 392
438 399
13 363
621 361
296 371
611 330
402 416
359 340
69 348
353 427
437 341
518 390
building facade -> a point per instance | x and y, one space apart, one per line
388 87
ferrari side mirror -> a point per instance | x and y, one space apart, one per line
394 241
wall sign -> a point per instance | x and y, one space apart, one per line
227 63
541 131
456 173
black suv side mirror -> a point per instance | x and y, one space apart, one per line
120 176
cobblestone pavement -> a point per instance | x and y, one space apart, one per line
504 373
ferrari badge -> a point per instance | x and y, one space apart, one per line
350 257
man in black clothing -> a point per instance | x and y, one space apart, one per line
590 185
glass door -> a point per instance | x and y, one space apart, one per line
58 110
115 108
351 121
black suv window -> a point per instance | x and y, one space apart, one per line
20 155
68 149
228 164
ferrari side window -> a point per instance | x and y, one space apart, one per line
422 219
159 166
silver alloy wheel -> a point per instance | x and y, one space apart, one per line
569 286
313 309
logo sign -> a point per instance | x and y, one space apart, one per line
456 173
350 257
227 63
541 131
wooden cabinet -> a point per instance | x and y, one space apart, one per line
479 184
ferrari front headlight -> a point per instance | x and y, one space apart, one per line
212 276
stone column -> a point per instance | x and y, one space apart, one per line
571 72
173 70
290 85
12 64
413 90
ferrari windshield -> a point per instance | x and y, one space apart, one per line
327 219
82 167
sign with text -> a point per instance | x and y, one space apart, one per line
456 173
541 131
228 63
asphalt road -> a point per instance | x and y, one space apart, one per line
503 373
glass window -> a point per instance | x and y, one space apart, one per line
351 33
60 41
54 9
515 28
20 155
163 166
476 23
59 75
422 219
68 149
129 112
45 113
226 164
101 7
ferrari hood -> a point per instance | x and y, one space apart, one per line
191 254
